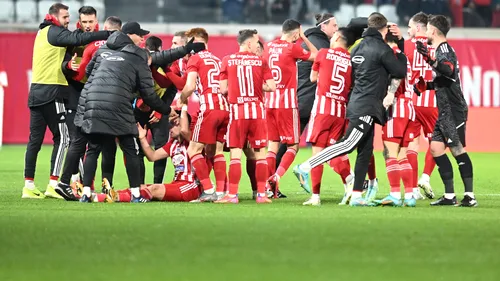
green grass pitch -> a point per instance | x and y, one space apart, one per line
57 240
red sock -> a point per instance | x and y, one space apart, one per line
372 174
210 164
124 195
54 178
234 176
430 164
261 175
286 161
251 173
146 194
226 184
271 162
200 166
341 167
406 174
393 174
316 174
220 172
100 197
412 156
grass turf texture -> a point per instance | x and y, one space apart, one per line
56 240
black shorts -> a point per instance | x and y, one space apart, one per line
448 132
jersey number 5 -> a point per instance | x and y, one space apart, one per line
338 72
213 73
245 80
275 70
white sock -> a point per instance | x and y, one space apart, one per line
355 195
408 195
261 194
87 191
449 195
396 195
136 192
94 198
349 178
53 183
372 182
29 184
306 167
425 178
75 177
220 193
416 190
315 196
471 194
210 191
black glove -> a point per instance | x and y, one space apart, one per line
192 48
422 49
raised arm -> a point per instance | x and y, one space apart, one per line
61 37
395 64
146 90
151 155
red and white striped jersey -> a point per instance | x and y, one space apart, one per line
282 58
207 66
419 68
179 67
178 153
334 81
245 73
403 108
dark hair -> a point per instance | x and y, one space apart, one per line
153 43
181 34
347 35
377 21
323 18
55 8
245 34
114 21
198 32
261 45
421 18
290 25
87 10
440 22
389 37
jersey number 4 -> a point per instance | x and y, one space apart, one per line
338 73
245 80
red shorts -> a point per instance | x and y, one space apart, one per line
181 191
324 130
396 130
283 125
425 119
211 126
252 130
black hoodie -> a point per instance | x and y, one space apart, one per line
306 90
108 104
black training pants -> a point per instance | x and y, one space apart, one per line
74 134
360 133
100 142
52 115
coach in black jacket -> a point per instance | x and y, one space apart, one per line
373 61
108 107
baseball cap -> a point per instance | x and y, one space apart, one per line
134 27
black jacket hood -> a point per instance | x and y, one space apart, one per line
372 32
118 40
133 49
46 23
315 31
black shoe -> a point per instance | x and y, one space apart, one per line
445 202
468 202
66 192
281 195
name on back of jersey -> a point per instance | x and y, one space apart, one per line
242 61
339 57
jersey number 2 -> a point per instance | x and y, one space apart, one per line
245 80
213 73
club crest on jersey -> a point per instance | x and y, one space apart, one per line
177 159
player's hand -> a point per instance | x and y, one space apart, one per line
424 51
419 86
155 117
301 33
74 65
173 115
192 47
394 29
143 132
388 100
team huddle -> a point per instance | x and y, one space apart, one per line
197 106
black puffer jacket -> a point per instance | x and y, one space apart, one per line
372 62
108 103
306 90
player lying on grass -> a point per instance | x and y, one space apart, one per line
183 187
